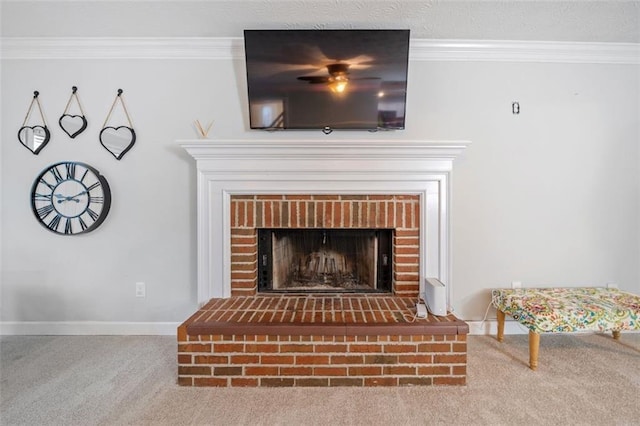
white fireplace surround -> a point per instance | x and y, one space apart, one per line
267 166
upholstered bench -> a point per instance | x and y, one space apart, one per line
557 310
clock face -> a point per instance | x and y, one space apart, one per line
70 198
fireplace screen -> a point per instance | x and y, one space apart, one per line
345 260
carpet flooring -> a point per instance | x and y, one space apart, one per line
131 380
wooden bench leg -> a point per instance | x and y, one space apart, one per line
500 325
534 345
616 334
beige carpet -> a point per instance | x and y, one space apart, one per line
582 379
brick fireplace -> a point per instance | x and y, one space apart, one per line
242 337
400 213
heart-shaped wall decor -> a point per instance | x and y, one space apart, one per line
73 125
118 140
34 138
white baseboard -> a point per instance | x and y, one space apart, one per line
490 327
86 328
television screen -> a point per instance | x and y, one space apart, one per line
327 79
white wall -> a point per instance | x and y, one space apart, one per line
547 197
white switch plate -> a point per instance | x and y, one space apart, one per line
141 290
516 284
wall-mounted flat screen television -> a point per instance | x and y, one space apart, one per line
327 79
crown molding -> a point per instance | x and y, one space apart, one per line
526 51
227 48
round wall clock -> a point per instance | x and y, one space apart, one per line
70 198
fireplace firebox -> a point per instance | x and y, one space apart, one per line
325 260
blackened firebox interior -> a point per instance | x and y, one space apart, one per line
325 260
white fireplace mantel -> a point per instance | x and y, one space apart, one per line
266 166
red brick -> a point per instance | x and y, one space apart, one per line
298 197
449 380
415 359
346 381
331 348
312 359
243 285
211 359
260 371
182 333
184 359
227 371
244 382
381 381
261 347
311 381
459 347
415 381
337 214
185 381
269 197
194 371
276 359
399 370
330 371
296 348
210 381
381 359
407 232
276 382
365 348
365 371
434 347
195 347
434 370
449 359
346 359
228 347
296 371
245 359
407 250
399 348
459 370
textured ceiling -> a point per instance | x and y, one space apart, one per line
587 21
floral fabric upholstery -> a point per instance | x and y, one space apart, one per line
545 310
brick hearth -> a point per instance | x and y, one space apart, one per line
319 340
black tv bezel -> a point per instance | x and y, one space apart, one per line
328 128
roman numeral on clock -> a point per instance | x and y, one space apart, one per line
54 222
67 226
56 174
44 182
44 211
42 197
71 170
94 216
95 185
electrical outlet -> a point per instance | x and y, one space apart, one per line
141 290
516 284
612 285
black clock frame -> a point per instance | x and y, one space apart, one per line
69 168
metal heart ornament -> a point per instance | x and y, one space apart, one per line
34 138
118 140
73 125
